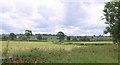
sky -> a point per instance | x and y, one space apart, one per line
73 17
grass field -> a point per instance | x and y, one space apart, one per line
13 45
47 52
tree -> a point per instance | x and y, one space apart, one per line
68 38
61 36
112 17
12 36
28 34
23 38
4 38
39 37
74 39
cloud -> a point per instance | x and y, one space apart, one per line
85 16
45 12
74 17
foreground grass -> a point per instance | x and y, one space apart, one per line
16 45
46 52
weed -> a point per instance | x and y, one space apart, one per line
6 50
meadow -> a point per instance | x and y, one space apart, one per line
69 52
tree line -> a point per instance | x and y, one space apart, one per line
28 34
60 37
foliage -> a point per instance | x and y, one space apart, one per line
74 39
39 37
112 17
12 36
88 43
115 0
68 38
5 38
23 38
85 38
28 34
61 36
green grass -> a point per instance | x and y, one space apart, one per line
89 43
47 52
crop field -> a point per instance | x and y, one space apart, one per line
13 45
68 52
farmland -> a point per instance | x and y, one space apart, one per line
59 31
69 52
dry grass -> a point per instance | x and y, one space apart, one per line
47 52
15 45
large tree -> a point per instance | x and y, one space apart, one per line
61 36
28 34
112 17
12 36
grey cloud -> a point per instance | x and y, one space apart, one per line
45 30
41 23
92 27
24 10
45 12
4 8
71 13
14 16
75 16
8 28
74 13
3 21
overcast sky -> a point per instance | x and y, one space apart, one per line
73 17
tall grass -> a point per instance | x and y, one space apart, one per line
5 51
0 52
91 54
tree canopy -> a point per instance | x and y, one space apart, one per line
112 17
39 37
61 36
12 36
28 33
